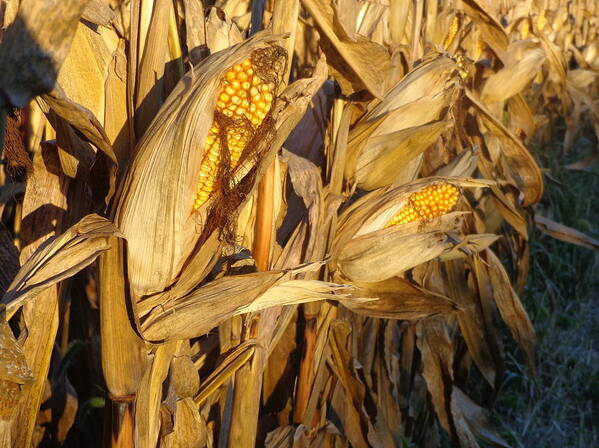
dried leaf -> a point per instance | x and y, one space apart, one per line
221 33
565 233
14 370
511 309
147 405
13 365
225 370
476 417
437 355
398 299
80 118
360 64
381 155
527 172
99 12
32 52
491 30
512 79
59 258
201 310
151 67
189 429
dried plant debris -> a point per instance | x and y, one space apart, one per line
306 236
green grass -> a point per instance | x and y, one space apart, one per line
559 408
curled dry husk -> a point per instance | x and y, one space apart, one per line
199 311
14 370
59 258
397 298
384 147
522 166
525 62
365 251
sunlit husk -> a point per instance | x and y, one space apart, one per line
367 250
198 312
60 258
404 124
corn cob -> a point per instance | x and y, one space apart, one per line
428 203
461 66
541 21
452 32
244 99
525 29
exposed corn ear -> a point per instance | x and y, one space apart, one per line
452 32
365 247
428 203
525 29
243 102
461 66
162 181
541 21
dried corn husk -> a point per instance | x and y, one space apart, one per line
58 259
365 251
404 124
226 297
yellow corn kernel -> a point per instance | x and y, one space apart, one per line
541 21
246 99
452 32
428 203
480 48
461 66
525 29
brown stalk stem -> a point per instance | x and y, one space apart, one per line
248 380
123 357
306 373
122 422
418 8
41 318
284 20
264 219
65 317
174 44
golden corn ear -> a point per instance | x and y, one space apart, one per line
461 66
525 29
428 203
244 100
541 21
452 32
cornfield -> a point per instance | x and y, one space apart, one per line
275 223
